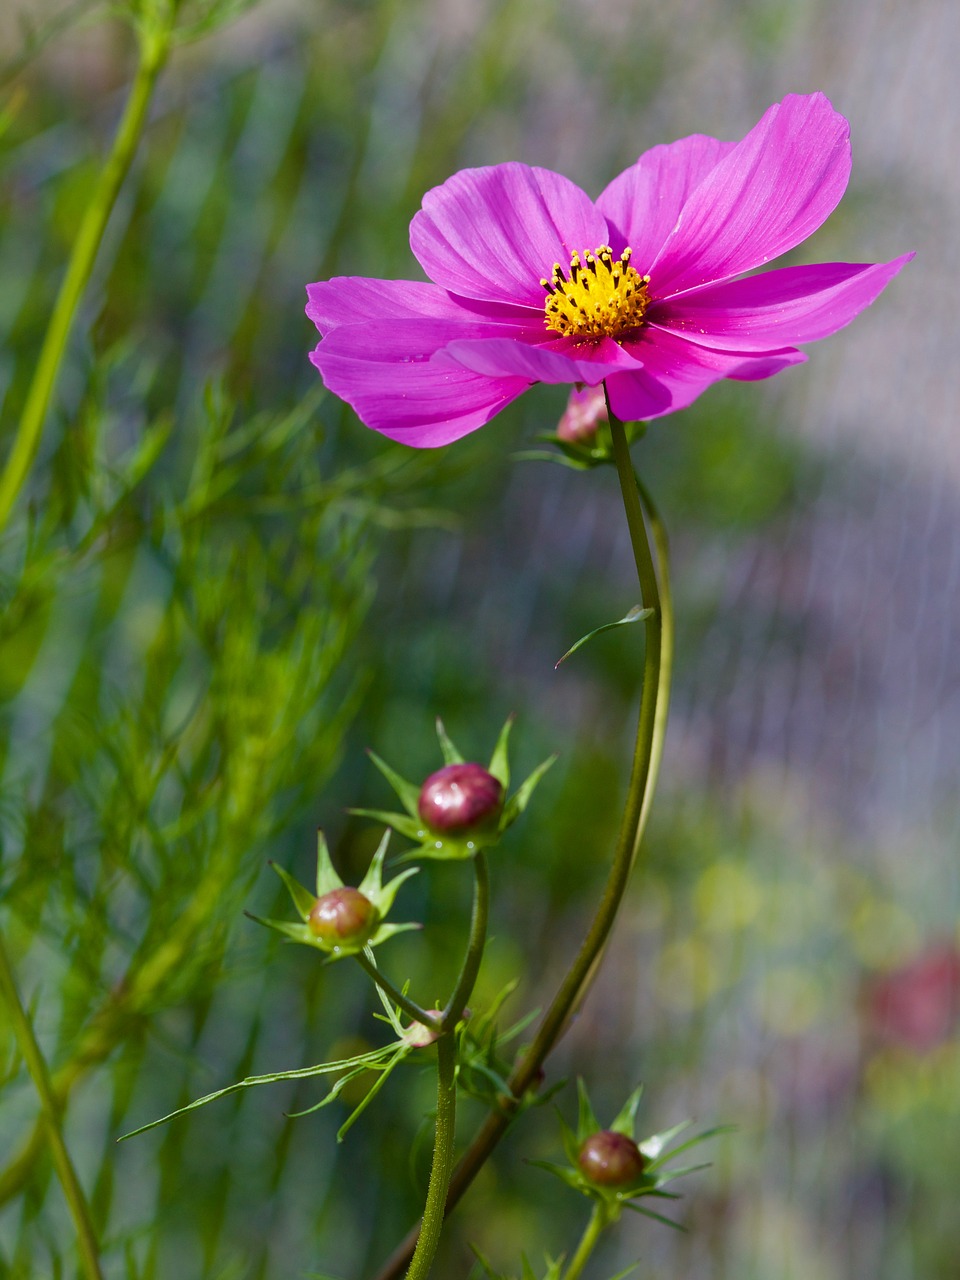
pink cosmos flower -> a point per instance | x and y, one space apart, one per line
535 282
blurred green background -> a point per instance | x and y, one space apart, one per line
220 588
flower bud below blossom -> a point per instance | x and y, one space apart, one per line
610 1159
586 409
460 797
343 916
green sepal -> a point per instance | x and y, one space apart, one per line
636 614
705 1136
400 822
625 1121
387 931
372 886
569 1176
303 899
499 764
451 848
408 794
370 1058
450 753
657 1217
571 1143
587 1122
293 932
521 797
652 1148
327 878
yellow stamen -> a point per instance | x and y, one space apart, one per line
604 297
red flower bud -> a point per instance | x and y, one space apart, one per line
459 797
610 1159
343 916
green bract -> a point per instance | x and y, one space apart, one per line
371 886
433 844
655 1176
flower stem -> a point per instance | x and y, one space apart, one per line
475 945
588 1242
434 1209
154 46
37 1066
648 750
409 1007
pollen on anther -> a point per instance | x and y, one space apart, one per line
573 308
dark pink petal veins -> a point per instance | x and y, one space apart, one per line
643 204
355 299
771 191
384 370
777 308
492 233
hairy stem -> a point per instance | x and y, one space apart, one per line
651 727
588 1242
434 1209
39 1072
154 46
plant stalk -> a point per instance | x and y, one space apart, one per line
648 751
435 1208
588 1242
36 1064
475 945
154 47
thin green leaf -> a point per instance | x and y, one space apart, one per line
636 614
300 1073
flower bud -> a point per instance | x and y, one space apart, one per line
343 917
610 1159
459 797
586 409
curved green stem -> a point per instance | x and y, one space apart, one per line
435 1207
154 46
475 945
409 1007
648 750
40 1074
588 1242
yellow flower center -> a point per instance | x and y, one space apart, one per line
604 297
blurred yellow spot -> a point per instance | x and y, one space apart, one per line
883 935
789 1001
686 974
727 898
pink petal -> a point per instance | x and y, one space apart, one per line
675 372
493 233
771 191
384 370
643 204
777 308
562 361
354 299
